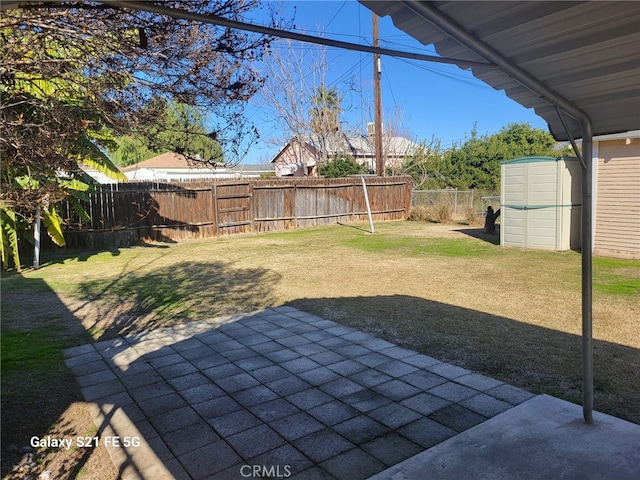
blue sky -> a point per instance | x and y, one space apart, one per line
435 100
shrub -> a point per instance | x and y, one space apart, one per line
341 167
438 213
473 216
442 212
419 213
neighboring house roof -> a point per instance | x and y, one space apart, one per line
251 169
171 160
363 146
173 166
359 146
585 53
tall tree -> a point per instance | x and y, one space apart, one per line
299 101
180 128
131 148
325 119
427 166
76 74
476 163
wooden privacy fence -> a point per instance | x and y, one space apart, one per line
126 213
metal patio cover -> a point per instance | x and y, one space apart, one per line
587 52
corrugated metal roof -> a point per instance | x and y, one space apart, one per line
587 52
359 145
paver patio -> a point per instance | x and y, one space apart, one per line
282 391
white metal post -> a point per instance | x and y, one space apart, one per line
36 238
366 200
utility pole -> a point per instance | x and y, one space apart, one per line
377 100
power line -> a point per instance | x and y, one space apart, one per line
276 32
335 15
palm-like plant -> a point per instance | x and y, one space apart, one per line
325 119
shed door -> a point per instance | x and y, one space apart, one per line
541 205
529 192
512 227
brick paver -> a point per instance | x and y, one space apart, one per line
280 389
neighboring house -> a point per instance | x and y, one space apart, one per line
296 159
173 167
299 158
616 163
395 150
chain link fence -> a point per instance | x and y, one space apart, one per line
459 201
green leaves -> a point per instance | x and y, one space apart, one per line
74 79
89 154
180 128
9 240
53 222
79 209
476 162
11 228
25 182
341 167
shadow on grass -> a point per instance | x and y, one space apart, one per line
537 359
146 299
479 233
37 387
355 227
57 255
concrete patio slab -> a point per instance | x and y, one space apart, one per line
544 437
282 393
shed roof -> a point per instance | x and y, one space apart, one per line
587 52
538 159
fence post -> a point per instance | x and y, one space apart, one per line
352 201
215 208
295 203
251 206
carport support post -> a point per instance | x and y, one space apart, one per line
587 272
36 238
445 24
